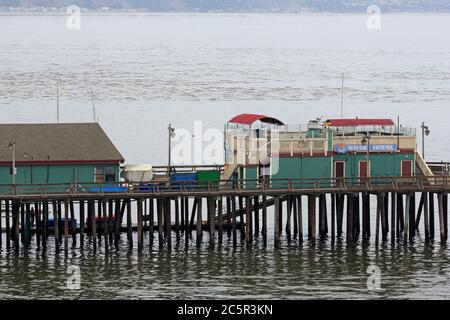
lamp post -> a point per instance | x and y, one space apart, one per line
425 131
171 135
12 147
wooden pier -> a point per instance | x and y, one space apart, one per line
236 212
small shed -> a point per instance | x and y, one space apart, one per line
48 153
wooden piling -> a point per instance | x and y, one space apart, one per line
419 212
187 231
140 233
110 219
91 209
152 219
333 217
159 209
66 225
1 227
241 217
199 221
445 208
229 215
177 219
45 225
256 215
56 220
350 207
384 229
400 215
426 217
81 204
233 225
340 213
73 226
105 222
8 227
300 219
129 223
365 217
277 220
311 217
441 217
431 218
264 218
220 218
412 215
211 209
289 217
378 218
356 217
168 223
323 223
393 217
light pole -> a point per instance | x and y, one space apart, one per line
12 147
171 135
425 131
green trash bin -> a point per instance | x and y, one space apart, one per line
204 177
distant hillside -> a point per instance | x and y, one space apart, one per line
232 5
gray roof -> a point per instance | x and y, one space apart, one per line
57 142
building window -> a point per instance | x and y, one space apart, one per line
104 174
110 174
98 175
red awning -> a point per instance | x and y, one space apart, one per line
248 118
360 122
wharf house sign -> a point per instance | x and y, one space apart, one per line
344 148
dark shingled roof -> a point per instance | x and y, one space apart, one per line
55 142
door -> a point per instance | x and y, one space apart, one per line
363 170
406 168
339 171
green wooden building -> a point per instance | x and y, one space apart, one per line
259 147
57 153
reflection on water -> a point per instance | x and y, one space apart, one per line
319 270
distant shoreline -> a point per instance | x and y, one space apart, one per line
156 13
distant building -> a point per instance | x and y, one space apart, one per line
58 153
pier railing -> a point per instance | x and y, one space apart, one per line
359 184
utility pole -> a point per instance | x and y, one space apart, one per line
342 96
171 134
57 101
12 147
93 107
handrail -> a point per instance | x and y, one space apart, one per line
290 184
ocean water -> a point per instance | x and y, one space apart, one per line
146 71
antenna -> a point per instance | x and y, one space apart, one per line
93 107
57 101
342 96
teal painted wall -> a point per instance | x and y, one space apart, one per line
380 164
250 173
42 174
305 167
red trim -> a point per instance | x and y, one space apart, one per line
42 162
249 118
360 122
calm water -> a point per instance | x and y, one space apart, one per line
149 70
